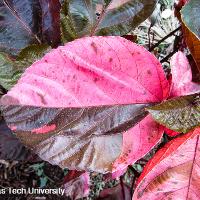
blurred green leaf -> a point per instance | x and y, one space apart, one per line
9 73
11 70
68 32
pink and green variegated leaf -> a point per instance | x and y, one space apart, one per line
173 172
77 105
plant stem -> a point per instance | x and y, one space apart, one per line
122 185
163 39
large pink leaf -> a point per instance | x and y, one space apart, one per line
92 71
173 173
89 91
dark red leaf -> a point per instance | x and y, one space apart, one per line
51 21
116 193
10 146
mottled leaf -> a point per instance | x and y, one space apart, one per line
191 16
173 172
181 82
61 135
112 17
180 114
72 109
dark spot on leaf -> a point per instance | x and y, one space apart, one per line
42 98
149 72
96 79
93 45
140 194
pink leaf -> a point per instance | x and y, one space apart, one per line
182 76
92 71
173 173
137 142
96 86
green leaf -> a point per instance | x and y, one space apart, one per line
191 16
11 70
30 54
180 114
110 17
43 181
9 73
68 32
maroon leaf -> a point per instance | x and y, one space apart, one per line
61 135
78 187
116 193
10 146
25 22
51 21
19 24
